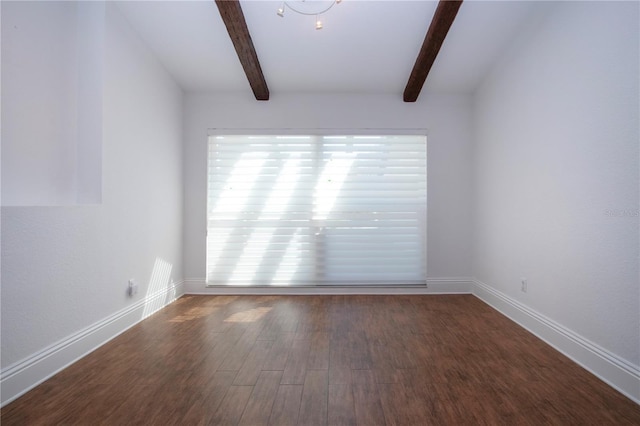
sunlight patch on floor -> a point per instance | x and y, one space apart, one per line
194 313
250 315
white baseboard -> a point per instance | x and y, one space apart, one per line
613 370
19 378
458 285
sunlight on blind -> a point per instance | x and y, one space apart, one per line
316 210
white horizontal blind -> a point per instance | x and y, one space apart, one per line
316 210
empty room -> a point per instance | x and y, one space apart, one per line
356 212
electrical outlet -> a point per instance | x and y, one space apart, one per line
132 289
523 285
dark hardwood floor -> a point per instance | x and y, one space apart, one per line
324 360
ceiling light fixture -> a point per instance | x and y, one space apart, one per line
309 8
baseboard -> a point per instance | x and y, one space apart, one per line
613 370
24 375
457 285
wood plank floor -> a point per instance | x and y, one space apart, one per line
324 360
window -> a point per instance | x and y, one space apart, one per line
316 210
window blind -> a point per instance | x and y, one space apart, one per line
316 210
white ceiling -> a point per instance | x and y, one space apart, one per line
366 46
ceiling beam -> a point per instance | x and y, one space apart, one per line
440 24
233 18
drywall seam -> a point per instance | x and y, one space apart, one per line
613 370
455 285
24 375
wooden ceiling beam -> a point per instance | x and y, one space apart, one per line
440 24
233 18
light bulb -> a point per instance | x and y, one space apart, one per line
318 24
281 12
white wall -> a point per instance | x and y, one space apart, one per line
52 64
556 174
66 268
447 119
